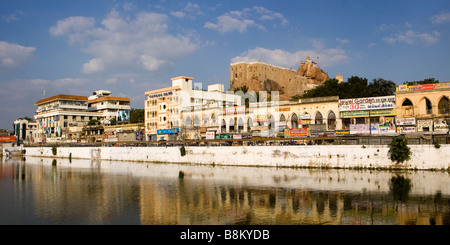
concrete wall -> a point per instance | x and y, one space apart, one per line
336 156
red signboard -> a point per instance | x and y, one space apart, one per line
297 132
7 139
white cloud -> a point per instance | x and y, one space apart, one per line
75 27
247 18
178 14
191 10
342 41
411 37
13 55
327 57
93 66
125 43
227 23
440 18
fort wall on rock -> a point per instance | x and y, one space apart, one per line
258 76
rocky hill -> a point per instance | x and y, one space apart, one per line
258 76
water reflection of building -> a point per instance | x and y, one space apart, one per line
89 196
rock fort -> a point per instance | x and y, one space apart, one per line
258 76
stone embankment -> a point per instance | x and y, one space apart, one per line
423 157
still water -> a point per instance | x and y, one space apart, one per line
47 191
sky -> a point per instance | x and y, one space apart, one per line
130 47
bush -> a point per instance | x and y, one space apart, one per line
436 144
182 150
54 150
399 150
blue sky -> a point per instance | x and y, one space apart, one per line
129 47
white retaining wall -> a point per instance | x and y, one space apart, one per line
339 156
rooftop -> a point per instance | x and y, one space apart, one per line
62 97
110 98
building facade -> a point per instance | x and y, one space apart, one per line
423 108
170 111
64 118
372 115
25 130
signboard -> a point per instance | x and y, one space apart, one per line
421 87
126 137
407 129
371 103
123 116
162 94
386 128
405 121
261 118
223 136
210 135
367 113
403 88
234 109
237 136
425 125
7 139
283 109
440 125
412 88
359 129
297 132
342 132
374 128
168 131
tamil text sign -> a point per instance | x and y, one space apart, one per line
297 132
371 103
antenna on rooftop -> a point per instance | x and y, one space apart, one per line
43 93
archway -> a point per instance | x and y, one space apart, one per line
240 125
249 125
294 121
231 127
188 122
318 118
223 126
428 106
407 107
196 122
444 106
331 121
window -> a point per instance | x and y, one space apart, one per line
319 118
331 121
428 106
444 106
294 121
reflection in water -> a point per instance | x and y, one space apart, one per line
43 191
400 187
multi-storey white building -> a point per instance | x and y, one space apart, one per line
110 106
62 117
167 109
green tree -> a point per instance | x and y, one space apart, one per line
399 150
381 87
93 122
355 87
137 116
424 81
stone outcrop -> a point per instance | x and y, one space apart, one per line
258 76
310 70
